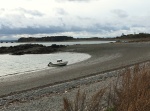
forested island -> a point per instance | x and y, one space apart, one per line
128 37
45 39
141 37
57 39
133 36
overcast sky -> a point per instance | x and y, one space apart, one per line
77 18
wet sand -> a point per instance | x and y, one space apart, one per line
104 57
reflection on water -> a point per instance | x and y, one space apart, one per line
12 64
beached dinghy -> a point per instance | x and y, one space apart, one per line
59 63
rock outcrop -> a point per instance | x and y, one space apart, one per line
30 49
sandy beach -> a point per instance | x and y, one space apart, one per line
104 58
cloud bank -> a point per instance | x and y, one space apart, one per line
78 18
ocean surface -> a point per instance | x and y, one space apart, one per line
58 43
21 64
13 64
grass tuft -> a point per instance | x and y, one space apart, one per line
133 93
81 103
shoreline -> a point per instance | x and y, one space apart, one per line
90 85
104 58
79 78
34 66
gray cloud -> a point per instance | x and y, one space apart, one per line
30 30
99 30
120 13
2 9
76 17
31 12
84 18
67 24
61 11
95 28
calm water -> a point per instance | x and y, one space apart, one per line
58 43
12 64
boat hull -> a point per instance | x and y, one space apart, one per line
57 64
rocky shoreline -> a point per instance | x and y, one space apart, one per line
31 49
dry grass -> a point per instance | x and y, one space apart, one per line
131 92
81 103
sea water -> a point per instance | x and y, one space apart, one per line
17 64
58 43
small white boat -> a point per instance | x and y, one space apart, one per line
59 63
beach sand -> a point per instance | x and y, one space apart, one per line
104 57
